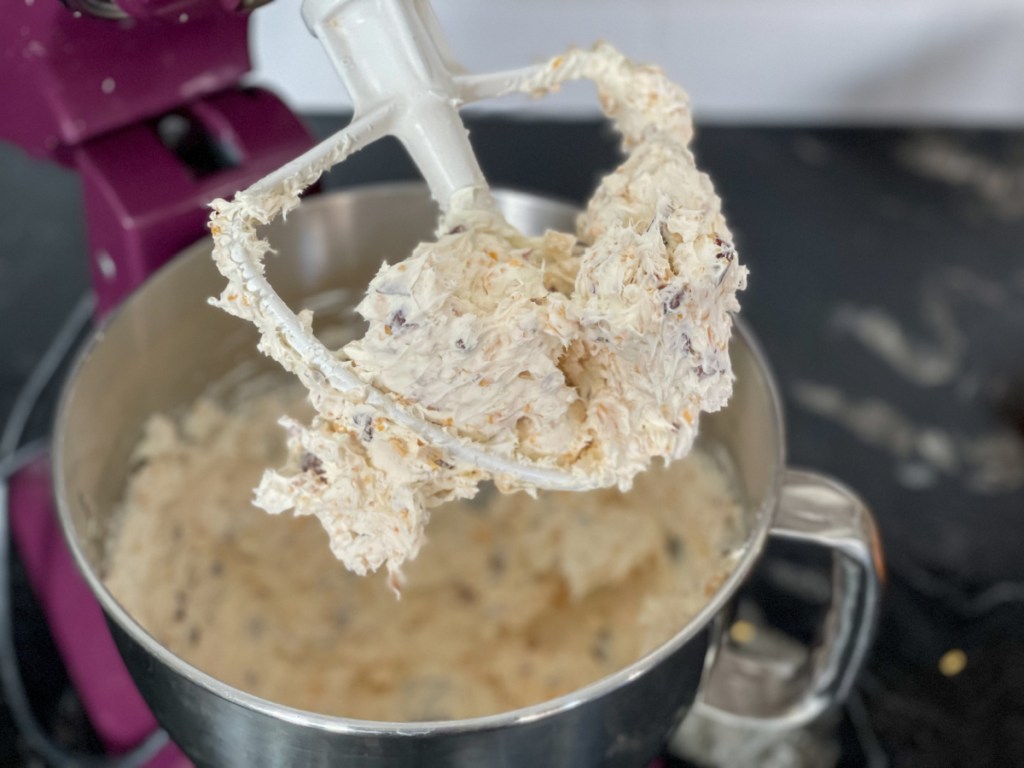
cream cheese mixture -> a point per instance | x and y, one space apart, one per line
592 352
513 602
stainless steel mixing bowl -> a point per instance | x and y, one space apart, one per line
165 345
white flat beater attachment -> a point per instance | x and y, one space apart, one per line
400 75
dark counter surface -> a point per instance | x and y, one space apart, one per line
887 286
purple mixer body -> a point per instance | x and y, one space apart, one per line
70 77
148 109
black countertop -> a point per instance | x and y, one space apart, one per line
887 286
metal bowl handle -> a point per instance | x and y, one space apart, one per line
755 691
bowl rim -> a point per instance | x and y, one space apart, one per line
764 512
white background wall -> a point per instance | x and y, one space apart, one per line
767 61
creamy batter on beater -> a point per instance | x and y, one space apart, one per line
513 602
592 353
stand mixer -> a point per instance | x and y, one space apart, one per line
106 88
152 157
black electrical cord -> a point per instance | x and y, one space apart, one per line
12 458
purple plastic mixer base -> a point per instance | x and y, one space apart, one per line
116 710
128 103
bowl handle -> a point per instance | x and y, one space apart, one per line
754 690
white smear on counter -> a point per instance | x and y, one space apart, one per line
927 363
1000 186
986 463
936 358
